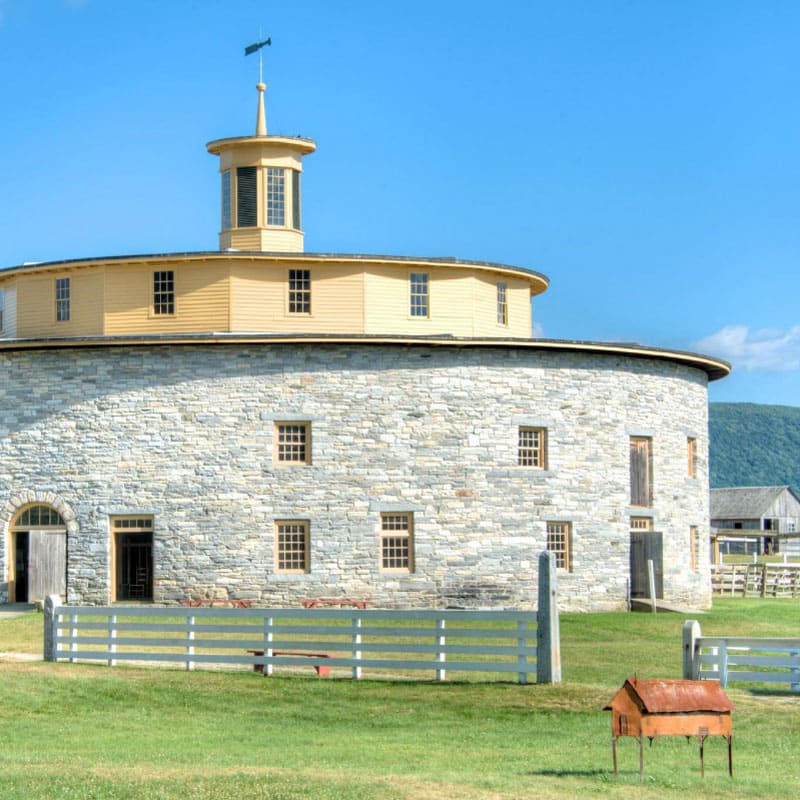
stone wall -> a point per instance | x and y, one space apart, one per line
185 433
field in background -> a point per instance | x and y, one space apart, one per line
95 732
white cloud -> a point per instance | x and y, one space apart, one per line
538 330
767 350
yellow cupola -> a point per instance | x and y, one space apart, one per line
260 195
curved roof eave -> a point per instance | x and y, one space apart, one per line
539 282
714 368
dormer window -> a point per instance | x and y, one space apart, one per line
276 196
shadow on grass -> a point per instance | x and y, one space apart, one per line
569 773
786 694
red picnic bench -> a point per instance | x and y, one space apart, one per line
335 601
321 669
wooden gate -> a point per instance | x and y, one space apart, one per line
646 546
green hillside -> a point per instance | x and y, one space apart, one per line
754 445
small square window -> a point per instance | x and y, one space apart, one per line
641 523
559 535
532 447
292 546
397 530
293 442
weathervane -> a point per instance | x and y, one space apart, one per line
256 48
261 116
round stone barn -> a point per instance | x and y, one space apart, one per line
260 423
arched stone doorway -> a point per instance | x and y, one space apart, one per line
37 546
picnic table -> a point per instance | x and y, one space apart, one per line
232 603
341 602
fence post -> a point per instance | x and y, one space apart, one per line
441 657
51 604
112 634
190 621
691 658
723 664
548 638
356 640
651 578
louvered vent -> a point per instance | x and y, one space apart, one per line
247 203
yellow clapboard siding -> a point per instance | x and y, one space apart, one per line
260 299
37 304
250 293
201 299
519 307
460 303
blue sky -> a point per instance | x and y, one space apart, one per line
645 156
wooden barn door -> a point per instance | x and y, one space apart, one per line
47 565
646 546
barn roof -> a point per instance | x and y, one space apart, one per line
745 502
661 696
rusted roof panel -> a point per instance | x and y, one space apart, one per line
660 696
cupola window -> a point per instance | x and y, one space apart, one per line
276 197
246 197
226 200
296 200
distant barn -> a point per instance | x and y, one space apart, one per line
755 519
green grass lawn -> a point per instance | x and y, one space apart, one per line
80 731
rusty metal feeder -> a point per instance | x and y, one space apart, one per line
650 708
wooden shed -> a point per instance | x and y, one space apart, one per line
656 707
765 516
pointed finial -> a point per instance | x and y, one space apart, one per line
261 118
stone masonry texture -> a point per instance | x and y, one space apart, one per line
185 434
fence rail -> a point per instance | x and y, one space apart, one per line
739 658
756 580
509 642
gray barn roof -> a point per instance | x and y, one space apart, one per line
744 502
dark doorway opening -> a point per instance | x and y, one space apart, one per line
21 544
134 566
646 546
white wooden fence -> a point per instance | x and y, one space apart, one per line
739 658
756 580
511 642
